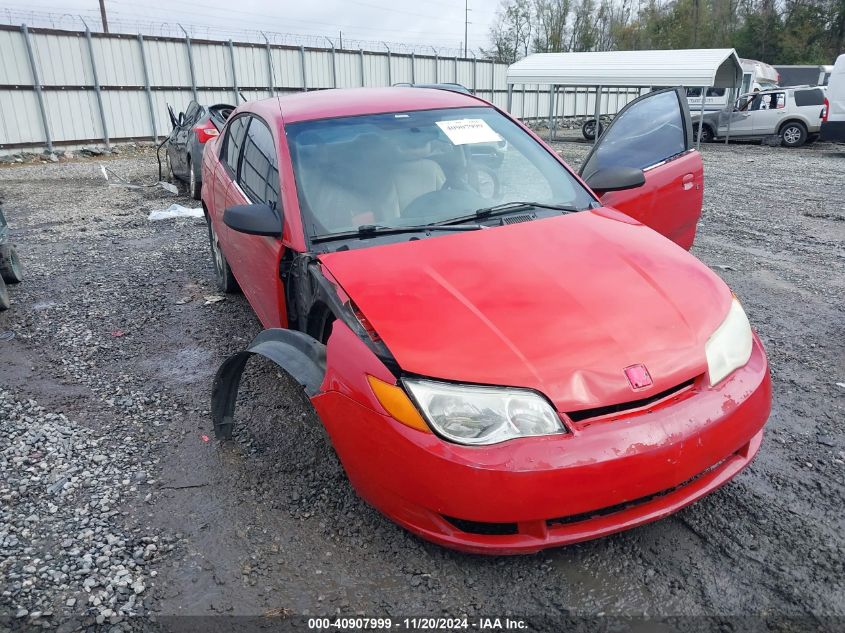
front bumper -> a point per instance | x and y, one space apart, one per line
533 493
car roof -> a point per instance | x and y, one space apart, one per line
326 104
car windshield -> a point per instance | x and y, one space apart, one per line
418 168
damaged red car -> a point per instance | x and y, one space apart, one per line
507 355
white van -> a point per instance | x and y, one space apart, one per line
756 76
833 120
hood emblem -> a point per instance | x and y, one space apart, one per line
638 376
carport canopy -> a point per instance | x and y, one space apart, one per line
696 67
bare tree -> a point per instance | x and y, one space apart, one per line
551 17
510 35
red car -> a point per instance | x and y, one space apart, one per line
506 355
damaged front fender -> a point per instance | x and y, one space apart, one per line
300 355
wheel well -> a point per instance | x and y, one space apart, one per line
319 323
788 121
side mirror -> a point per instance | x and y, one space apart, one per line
254 219
615 179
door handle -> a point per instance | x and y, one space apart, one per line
688 181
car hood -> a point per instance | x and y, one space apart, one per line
560 305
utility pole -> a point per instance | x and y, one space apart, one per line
466 24
341 38
103 16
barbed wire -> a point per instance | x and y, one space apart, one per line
91 18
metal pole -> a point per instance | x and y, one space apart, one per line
234 72
413 69
36 83
102 17
147 88
492 81
474 74
522 106
456 69
361 56
510 97
598 115
191 64
701 119
334 65
551 108
302 65
389 66
436 66
466 26
271 78
99 94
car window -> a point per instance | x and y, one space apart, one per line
411 168
192 113
646 132
259 172
769 101
809 97
235 131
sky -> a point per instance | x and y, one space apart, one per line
437 23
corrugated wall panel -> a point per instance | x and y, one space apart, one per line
287 68
251 66
446 70
126 113
348 70
72 114
465 73
118 61
14 63
211 64
425 70
62 60
168 63
375 70
318 69
21 121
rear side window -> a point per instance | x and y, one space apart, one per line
647 132
232 144
809 97
259 173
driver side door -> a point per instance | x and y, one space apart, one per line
654 133
255 259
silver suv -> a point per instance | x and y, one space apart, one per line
794 114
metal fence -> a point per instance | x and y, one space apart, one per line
71 88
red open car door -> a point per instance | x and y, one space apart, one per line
654 133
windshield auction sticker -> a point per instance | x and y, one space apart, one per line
468 131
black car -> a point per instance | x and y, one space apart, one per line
191 130
10 265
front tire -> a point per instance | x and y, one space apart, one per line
794 134
222 273
10 265
194 184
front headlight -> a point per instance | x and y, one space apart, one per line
729 347
483 415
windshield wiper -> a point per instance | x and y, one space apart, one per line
367 230
508 207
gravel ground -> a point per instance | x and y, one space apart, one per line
118 502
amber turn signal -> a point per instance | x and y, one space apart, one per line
396 402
